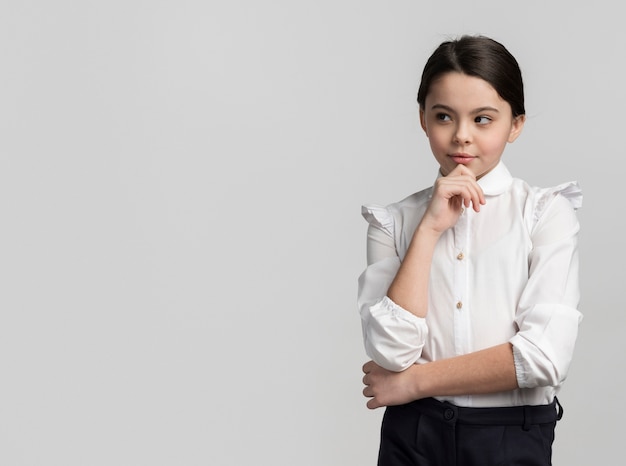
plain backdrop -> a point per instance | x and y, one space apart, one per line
180 229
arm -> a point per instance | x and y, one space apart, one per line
459 189
392 336
393 296
486 371
547 316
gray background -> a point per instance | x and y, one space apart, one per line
180 192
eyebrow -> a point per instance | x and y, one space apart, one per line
477 110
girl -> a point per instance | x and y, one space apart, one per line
469 301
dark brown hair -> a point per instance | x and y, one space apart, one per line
481 57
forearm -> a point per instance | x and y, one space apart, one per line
409 289
487 371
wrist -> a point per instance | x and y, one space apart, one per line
417 387
428 232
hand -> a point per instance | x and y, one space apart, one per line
450 194
387 388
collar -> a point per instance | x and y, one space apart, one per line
496 181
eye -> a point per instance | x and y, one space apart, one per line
482 120
442 117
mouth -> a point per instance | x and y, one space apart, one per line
462 158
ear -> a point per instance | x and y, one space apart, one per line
423 121
516 127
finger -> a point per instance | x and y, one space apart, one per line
461 169
367 367
467 190
373 404
478 198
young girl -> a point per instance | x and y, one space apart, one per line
469 301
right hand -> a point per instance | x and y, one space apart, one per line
451 194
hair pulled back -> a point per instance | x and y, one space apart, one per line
481 57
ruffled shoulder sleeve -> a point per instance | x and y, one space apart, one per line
555 206
379 216
570 191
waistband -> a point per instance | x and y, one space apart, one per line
524 416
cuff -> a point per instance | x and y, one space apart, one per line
393 337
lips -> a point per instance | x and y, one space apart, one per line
462 158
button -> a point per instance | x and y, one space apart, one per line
460 256
459 305
448 414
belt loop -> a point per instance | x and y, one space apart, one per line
526 425
559 413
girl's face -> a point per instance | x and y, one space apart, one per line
468 123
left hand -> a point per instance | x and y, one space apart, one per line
387 388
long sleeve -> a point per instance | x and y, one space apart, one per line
547 315
393 337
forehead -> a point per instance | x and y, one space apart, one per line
458 90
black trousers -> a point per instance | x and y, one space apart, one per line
429 432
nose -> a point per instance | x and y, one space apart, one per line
462 134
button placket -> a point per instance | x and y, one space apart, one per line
461 315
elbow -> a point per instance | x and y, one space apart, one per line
540 367
544 346
393 337
540 371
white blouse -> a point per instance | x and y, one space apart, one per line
506 273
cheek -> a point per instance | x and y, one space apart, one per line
495 146
436 146
438 139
